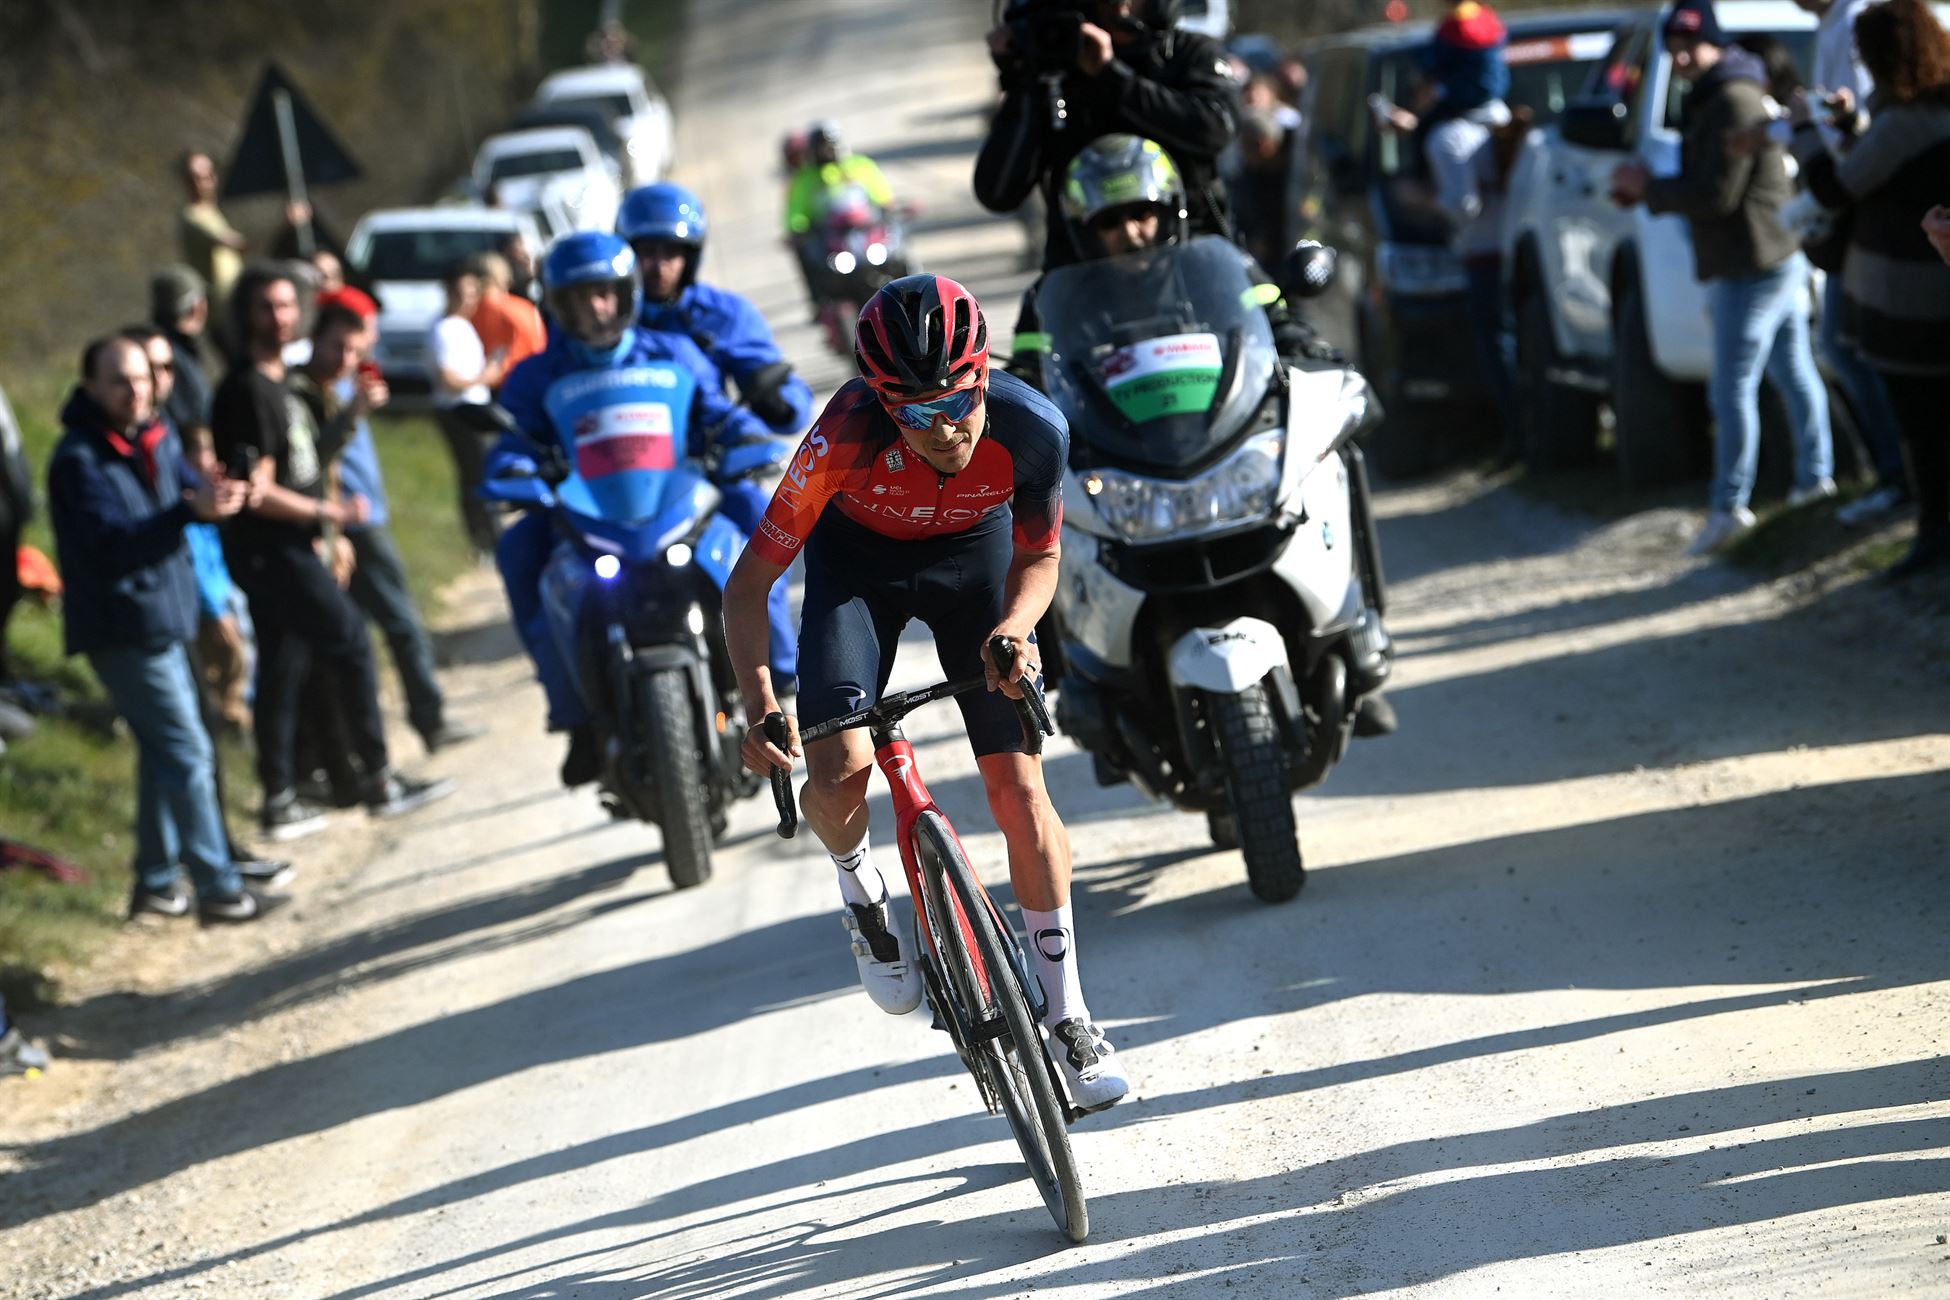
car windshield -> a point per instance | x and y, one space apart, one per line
425 254
540 163
613 105
1157 358
1799 45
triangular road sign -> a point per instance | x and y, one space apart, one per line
258 165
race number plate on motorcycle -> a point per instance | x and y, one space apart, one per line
1177 374
620 420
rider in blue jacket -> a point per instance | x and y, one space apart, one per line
666 226
591 284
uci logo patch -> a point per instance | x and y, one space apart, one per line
895 461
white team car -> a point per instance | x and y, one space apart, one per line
524 170
405 252
624 92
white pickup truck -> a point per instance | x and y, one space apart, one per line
1605 299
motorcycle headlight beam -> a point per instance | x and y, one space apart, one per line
607 567
843 262
1242 487
679 555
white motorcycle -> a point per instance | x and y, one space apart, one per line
1220 601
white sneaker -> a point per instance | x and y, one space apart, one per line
892 980
1870 506
1089 1064
1819 490
1722 526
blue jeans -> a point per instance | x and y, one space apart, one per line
177 820
1758 326
1866 392
522 554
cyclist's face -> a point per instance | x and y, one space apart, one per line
948 445
1126 230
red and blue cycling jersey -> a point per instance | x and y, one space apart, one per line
854 460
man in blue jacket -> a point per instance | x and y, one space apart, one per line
666 226
591 284
119 497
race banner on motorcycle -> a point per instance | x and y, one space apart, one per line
620 420
1176 374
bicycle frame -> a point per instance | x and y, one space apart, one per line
894 756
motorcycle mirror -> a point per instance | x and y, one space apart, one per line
486 418
1308 270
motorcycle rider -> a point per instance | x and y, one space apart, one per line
666 226
927 489
1122 195
591 283
829 166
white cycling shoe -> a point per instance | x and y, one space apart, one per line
892 980
1090 1066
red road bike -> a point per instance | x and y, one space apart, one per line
978 982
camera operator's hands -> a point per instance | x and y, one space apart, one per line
1094 49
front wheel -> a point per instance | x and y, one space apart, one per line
985 970
1259 792
676 765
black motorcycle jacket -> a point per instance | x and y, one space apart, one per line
1176 89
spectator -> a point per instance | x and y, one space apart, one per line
463 375
179 306
508 326
17 1055
264 430
1291 76
1264 197
1936 225
1836 68
213 249
119 495
338 387
215 594
1895 285
525 277
1752 267
16 510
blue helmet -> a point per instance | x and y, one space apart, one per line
665 212
590 257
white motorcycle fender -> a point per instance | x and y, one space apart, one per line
1226 660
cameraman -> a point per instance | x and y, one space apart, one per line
1119 66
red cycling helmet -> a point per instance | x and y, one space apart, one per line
921 336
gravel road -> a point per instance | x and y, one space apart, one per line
1621 970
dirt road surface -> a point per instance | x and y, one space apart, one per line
1623 969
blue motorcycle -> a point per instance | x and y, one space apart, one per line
633 595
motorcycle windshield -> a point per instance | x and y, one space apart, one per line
847 207
1157 358
627 430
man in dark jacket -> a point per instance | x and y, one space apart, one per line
119 495
1752 267
1133 72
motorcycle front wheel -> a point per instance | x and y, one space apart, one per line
1258 792
676 765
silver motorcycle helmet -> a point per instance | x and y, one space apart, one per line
1117 176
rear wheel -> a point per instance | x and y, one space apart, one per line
1558 424
677 768
1017 1067
1661 435
1259 792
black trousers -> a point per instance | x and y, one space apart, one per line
10 528
1922 405
304 619
470 448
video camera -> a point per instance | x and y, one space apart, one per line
1045 34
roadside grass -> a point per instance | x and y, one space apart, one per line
70 788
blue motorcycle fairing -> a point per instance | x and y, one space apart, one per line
519 491
686 498
718 548
626 429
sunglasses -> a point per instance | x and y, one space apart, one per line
954 407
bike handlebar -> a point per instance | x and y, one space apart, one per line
1031 710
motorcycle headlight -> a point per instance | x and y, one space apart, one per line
876 253
1237 490
843 262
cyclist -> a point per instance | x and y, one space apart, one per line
591 283
666 225
928 489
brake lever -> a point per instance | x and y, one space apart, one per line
1030 709
775 731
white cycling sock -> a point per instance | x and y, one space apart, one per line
1053 948
860 880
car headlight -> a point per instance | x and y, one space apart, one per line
1419 270
1242 487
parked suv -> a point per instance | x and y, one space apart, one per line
1399 295
1606 301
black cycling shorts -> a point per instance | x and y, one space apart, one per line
861 590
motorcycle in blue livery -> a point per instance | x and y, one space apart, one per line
633 596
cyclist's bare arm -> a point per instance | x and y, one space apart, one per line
1026 595
747 635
